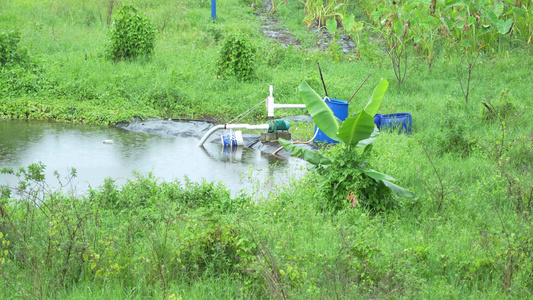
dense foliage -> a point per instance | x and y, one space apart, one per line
131 35
346 185
237 57
10 52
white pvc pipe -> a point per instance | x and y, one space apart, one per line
232 126
271 106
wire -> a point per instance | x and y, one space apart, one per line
239 117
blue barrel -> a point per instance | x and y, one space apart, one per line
400 122
377 119
340 110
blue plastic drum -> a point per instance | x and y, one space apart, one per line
340 110
400 122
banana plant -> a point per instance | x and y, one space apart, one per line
356 131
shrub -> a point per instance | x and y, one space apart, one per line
131 35
19 73
344 183
237 57
10 53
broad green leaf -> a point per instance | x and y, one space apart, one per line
356 128
371 139
372 106
378 175
492 16
519 11
504 26
398 189
471 21
322 115
431 21
448 23
308 155
349 22
498 9
331 25
398 27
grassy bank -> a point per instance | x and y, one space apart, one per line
466 234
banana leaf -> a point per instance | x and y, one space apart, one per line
373 105
378 175
371 139
356 128
318 109
308 155
398 189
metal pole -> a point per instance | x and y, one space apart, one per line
213 9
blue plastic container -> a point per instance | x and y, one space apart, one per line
232 139
377 119
340 110
400 122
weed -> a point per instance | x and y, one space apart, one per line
456 138
274 55
504 107
237 57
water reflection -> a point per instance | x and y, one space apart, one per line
63 146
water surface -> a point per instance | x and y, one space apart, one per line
64 146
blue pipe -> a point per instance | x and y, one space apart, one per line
213 9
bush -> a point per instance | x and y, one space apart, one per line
237 57
10 53
19 73
345 184
131 35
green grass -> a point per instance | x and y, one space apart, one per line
467 233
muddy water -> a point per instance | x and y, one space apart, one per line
170 152
273 29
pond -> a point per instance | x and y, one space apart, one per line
169 150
